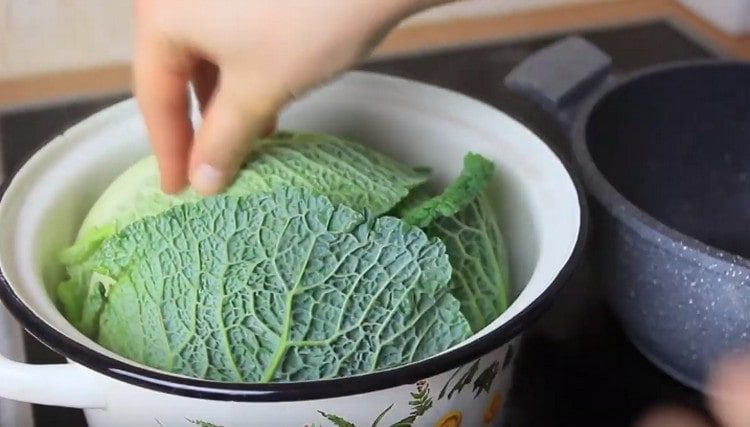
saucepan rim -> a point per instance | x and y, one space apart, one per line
647 226
311 390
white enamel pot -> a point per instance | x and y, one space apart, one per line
539 205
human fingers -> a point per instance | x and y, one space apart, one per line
729 390
160 74
221 145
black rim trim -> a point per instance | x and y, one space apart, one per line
623 209
313 390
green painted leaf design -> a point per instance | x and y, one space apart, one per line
484 381
421 402
448 383
380 417
276 287
508 357
200 423
465 379
406 422
337 420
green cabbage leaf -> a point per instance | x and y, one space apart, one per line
345 172
462 217
281 286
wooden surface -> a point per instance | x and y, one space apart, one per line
428 36
559 19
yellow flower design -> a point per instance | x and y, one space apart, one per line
493 407
451 419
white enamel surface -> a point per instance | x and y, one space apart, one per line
58 385
133 406
12 412
418 124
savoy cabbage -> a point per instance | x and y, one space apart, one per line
463 219
323 259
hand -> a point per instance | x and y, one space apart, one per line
246 59
729 388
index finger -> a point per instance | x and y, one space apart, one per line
161 88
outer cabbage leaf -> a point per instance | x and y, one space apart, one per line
415 199
479 259
283 286
463 219
71 293
476 173
344 171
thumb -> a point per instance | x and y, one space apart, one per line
224 141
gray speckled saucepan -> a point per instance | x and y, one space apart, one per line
665 156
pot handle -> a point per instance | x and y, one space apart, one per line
561 76
64 384
57 384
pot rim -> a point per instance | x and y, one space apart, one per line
620 207
298 391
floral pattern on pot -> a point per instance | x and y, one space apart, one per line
202 423
422 401
468 381
198 423
493 409
451 419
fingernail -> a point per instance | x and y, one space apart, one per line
207 179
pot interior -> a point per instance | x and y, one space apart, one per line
536 201
676 143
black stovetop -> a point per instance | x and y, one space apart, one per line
575 366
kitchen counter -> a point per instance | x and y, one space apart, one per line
416 37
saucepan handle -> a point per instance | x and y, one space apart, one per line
561 76
57 384
64 384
